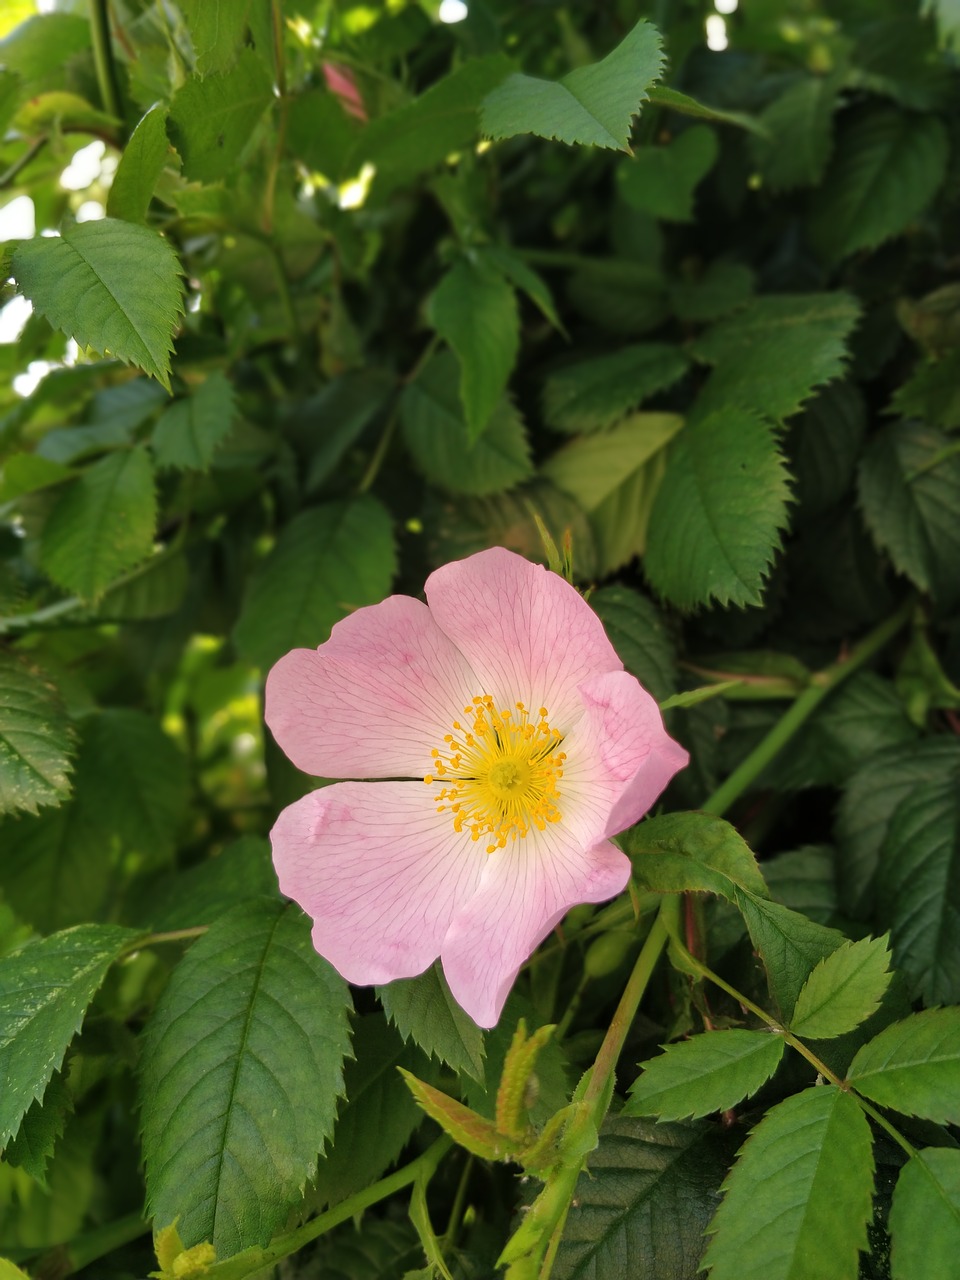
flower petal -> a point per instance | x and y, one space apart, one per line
619 757
374 699
381 873
528 635
527 888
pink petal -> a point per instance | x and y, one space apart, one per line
527 888
379 870
528 635
619 757
374 699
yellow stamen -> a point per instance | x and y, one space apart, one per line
500 778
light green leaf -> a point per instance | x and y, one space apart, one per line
213 118
189 430
437 436
771 354
36 738
886 169
641 1207
38 49
102 524
45 988
328 561
925 1216
112 285
844 990
217 28
798 1200
717 516
592 395
593 105
423 1010
711 1072
684 105
790 945
9 1272
677 852
475 311
799 137
242 1066
913 1066
637 632
918 888
27 472
141 164
615 476
661 180
909 489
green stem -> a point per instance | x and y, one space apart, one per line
68 1259
379 453
171 935
250 1261
103 58
8 178
459 1203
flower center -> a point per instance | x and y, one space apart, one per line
498 775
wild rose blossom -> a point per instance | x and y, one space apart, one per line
511 745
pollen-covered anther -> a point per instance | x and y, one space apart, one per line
499 777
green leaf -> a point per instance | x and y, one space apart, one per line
714 292
442 446
474 1132
615 476
910 490
711 1072
805 880
102 524
423 1010
342 411
824 445
641 1207
143 160
45 988
867 806
157 591
475 311
886 169
593 105
798 1200
36 738
378 1117
717 516
932 392
217 28
327 561
27 473
637 632
38 49
322 134
913 1066
661 180
925 1216
200 894
844 990
9 1272
678 852
39 1131
619 296
213 118
790 946
112 285
770 355
592 395
662 96
799 133
242 1067
189 430
513 268
918 888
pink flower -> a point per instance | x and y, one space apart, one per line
512 745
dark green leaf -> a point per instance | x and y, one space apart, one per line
441 444
711 1072
39 1130
642 1205
201 894
886 168
189 430
684 105
925 1216
638 634
36 739
799 139
932 393
824 445
717 516
143 160
798 1200
805 880
844 990
594 394
111 285
45 988
330 422
913 1066
475 311
327 561
102 524
677 852
593 105
790 946
242 1067
423 1010
212 119
716 291
661 180
910 491
27 472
